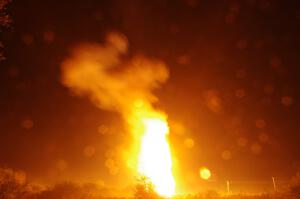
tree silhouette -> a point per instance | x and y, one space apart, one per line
295 186
5 20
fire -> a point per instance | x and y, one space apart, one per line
126 86
155 158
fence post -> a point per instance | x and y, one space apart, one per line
274 184
228 187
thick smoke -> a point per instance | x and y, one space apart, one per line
97 71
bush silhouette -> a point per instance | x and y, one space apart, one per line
295 186
144 189
10 186
69 190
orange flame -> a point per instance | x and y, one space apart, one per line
155 158
98 72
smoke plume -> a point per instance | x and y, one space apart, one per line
112 83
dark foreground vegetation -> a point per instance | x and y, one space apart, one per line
14 186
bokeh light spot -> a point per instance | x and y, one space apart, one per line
114 170
27 39
89 151
275 62
27 123
287 100
241 73
109 163
256 148
110 153
269 89
13 71
242 141
226 155
48 36
205 173
242 44
177 128
259 44
230 18
263 137
240 93
260 123
234 7
213 101
103 129
189 143
192 3
184 60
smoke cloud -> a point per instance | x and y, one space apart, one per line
112 83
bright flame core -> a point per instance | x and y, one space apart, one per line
155 158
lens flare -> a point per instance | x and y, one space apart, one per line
205 173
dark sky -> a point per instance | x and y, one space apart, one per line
233 88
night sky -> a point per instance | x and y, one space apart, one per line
232 98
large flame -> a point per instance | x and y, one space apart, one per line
155 158
97 71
